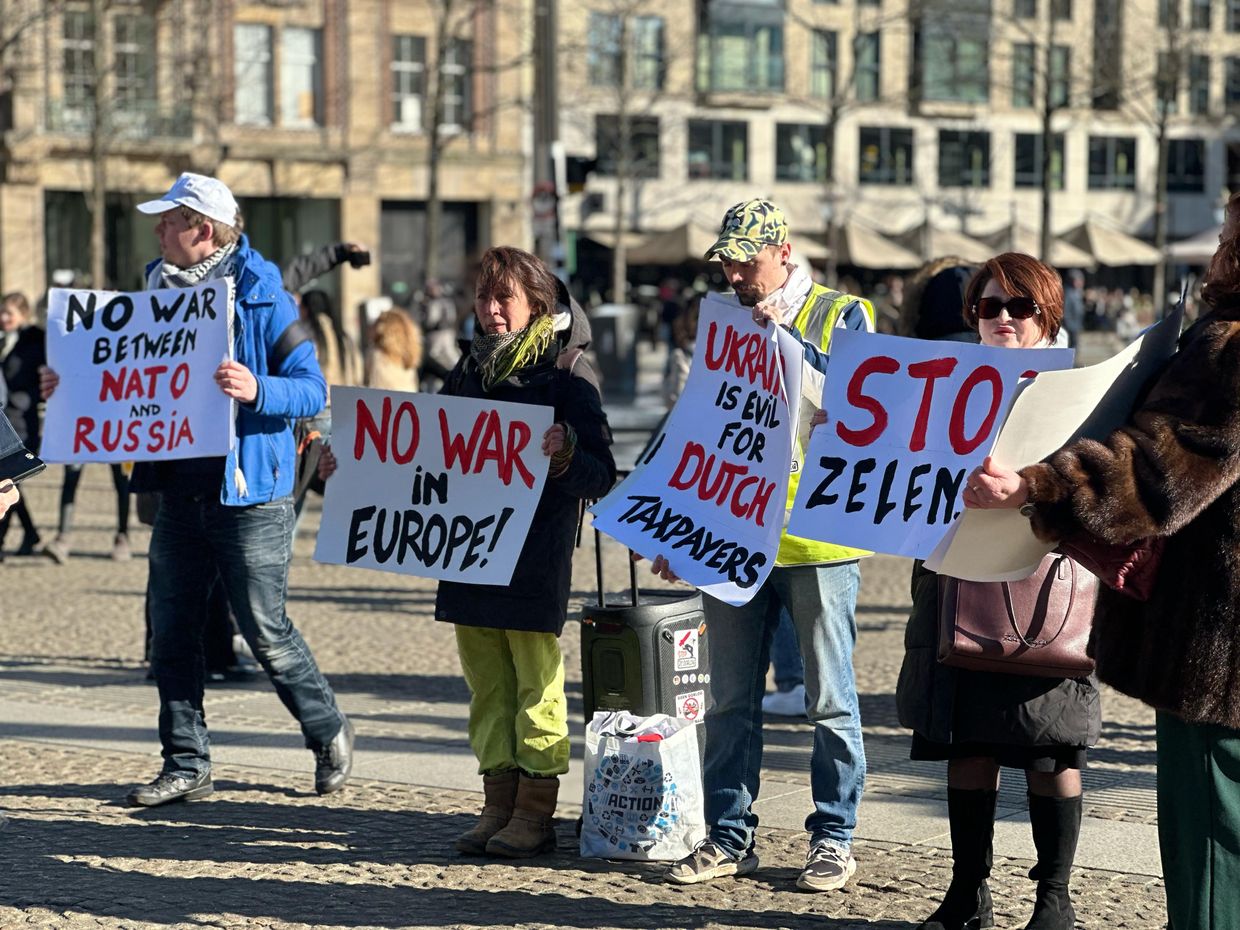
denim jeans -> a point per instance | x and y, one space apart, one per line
786 655
250 548
822 602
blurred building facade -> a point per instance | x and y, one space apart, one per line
315 112
898 113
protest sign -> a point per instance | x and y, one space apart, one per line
430 485
136 374
909 419
712 495
1047 414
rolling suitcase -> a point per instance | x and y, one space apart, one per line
650 655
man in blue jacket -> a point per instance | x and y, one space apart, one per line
232 515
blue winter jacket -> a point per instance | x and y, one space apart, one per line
269 340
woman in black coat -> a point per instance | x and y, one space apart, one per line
22 353
981 721
526 349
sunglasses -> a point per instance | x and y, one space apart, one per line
1018 308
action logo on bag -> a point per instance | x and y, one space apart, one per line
632 802
687 650
690 704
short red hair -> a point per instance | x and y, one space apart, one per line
1020 275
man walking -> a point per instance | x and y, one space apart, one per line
815 583
231 516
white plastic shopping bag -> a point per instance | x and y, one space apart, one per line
643 788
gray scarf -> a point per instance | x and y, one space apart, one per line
218 264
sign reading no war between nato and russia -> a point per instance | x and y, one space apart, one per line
712 496
908 421
430 485
137 374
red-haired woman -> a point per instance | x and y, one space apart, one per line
1172 471
526 350
980 722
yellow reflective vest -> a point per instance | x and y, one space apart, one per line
818 317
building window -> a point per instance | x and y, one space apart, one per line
741 46
1199 84
1025 9
252 101
801 152
964 158
886 156
408 82
868 49
1169 14
954 67
822 65
133 56
1029 160
78 47
1233 15
1023 85
718 150
1112 163
1061 9
1186 166
301 78
457 105
1061 75
1105 78
1233 167
1232 92
643 145
1201 14
646 65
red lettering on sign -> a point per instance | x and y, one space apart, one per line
749 356
961 444
877 365
504 451
931 371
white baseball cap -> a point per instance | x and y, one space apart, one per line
208 196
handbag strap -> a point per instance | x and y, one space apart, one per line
1011 609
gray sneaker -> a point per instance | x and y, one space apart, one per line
827 867
708 862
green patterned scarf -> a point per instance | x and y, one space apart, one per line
500 355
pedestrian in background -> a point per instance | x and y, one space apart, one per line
1171 473
527 350
60 549
980 722
23 351
395 352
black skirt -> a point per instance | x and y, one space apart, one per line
1030 758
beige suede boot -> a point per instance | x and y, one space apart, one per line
530 830
499 793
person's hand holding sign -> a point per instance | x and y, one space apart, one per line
764 311
237 381
48 381
9 496
819 418
992 486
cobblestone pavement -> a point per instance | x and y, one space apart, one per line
265 852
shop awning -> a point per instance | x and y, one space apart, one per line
867 248
687 242
931 242
1110 246
1026 239
1196 250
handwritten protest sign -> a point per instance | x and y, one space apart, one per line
909 419
434 486
136 374
711 498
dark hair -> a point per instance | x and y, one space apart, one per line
1020 275
933 299
1221 283
18 300
316 302
503 268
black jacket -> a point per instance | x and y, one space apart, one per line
21 374
951 705
536 600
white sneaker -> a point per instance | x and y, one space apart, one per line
785 703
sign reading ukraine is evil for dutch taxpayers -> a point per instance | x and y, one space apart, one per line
429 485
137 374
711 497
908 420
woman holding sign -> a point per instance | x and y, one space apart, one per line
981 721
526 349
1170 474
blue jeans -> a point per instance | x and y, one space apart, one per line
822 602
786 655
195 538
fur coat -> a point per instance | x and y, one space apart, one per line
1171 471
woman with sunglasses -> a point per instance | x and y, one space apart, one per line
979 722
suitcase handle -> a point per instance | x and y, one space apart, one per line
598 571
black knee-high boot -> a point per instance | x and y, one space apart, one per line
967 905
1056 826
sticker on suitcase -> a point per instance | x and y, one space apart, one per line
686 650
691 705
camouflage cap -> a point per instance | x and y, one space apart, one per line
747 228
